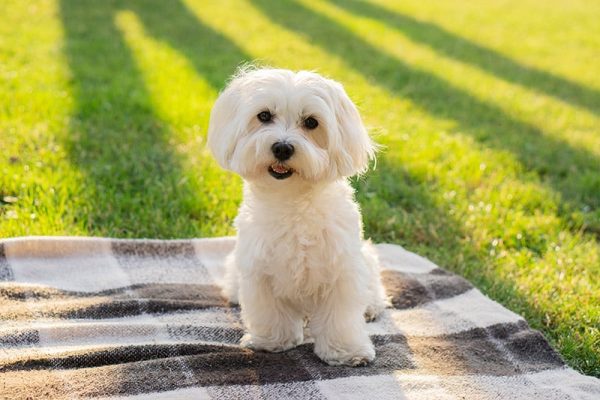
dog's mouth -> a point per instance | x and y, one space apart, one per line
280 171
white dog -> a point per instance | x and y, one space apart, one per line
295 138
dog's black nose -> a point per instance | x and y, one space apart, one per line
282 151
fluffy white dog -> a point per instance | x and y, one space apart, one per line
295 137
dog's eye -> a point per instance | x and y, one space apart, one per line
264 116
311 123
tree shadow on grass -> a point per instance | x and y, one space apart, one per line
134 181
459 48
573 172
213 56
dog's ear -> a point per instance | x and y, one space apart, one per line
352 149
224 127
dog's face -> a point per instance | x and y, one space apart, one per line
272 124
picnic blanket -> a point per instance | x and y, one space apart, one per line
93 317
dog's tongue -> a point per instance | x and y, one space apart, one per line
280 169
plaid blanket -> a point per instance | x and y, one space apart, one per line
145 319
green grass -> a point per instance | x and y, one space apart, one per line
489 114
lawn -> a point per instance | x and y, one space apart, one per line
489 113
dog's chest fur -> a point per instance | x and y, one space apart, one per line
299 243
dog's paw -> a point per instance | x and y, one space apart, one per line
359 361
258 343
359 358
371 314
375 310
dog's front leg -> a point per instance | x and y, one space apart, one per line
272 324
339 328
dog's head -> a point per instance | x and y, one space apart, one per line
279 124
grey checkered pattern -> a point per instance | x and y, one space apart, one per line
83 317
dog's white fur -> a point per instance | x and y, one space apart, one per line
299 252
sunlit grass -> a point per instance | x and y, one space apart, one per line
491 164
573 124
38 184
182 99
